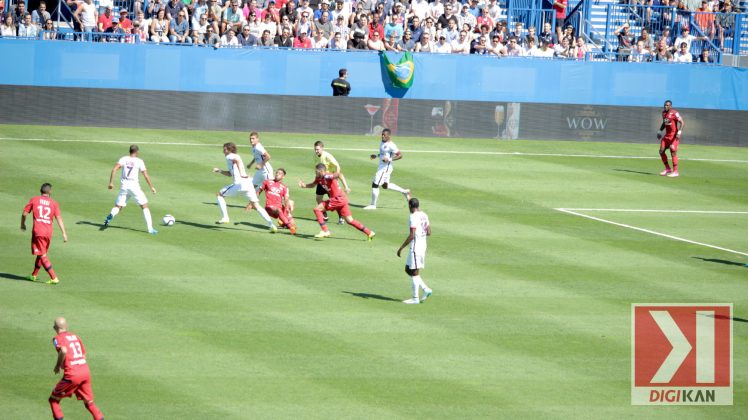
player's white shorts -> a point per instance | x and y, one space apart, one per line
240 190
383 174
263 174
416 259
133 191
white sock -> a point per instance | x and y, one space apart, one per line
419 281
222 205
114 212
148 221
415 286
374 196
264 215
395 187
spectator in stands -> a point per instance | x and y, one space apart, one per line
530 48
662 52
18 11
303 25
624 42
501 31
153 7
50 33
340 27
339 11
357 42
103 4
466 17
461 45
361 27
496 47
442 46
323 25
392 43
641 53
532 34
451 33
142 22
648 40
563 49
173 8
425 45
302 41
254 24
518 33
338 42
8 28
233 18
416 29
229 38
199 7
580 49
200 29
319 41
215 14
252 7
418 9
706 57
273 11
392 26
514 49
705 20
86 15
473 8
324 7
124 22
484 18
686 37
290 12
376 26
115 29
284 39
548 35
665 36
569 34
375 43
27 28
545 50
213 39
407 43
266 40
246 38
41 14
725 23
682 55
139 32
160 27
560 7
179 29
269 25
105 19
304 8
436 9
480 46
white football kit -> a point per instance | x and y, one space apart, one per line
241 185
266 172
417 255
129 181
384 170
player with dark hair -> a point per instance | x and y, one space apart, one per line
278 203
44 209
419 230
76 377
131 166
388 153
673 124
331 165
337 202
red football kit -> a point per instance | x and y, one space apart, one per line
275 193
44 210
76 378
337 201
670 120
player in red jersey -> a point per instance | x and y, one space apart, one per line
278 204
76 378
44 209
337 201
673 124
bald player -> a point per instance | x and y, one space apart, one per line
76 378
332 166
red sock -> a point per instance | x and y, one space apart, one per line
663 156
283 216
320 219
675 161
355 223
94 410
37 266
56 410
48 266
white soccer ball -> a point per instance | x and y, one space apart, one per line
169 220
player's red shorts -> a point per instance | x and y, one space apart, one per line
339 204
80 386
274 212
670 142
39 245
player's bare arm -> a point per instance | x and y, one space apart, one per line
111 176
345 183
428 230
222 172
61 354
61 224
303 185
680 124
410 237
397 156
265 159
23 221
148 180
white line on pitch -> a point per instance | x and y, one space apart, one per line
451 152
652 232
661 211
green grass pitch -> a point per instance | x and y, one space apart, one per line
530 316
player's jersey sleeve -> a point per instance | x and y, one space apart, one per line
122 161
55 209
141 165
677 117
59 342
259 152
29 206
413 221
393 148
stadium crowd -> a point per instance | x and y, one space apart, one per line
472 27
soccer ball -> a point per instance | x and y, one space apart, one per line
169 220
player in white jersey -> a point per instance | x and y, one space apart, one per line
419 230
132 166
388 153
260 162
241 186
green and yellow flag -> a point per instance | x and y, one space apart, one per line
401 73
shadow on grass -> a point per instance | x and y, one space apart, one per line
635 172
11 276
719 261
236 206
102 227
736 319
371 296
204 225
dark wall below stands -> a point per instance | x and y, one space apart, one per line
338 115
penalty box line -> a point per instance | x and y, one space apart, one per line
575 212
343 149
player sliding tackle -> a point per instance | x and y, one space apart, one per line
242 185
337 201
278 203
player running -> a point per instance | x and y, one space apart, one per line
43 209
332 166
419 230
278 203
673 124
337 202
388 153
261 162
76 377
241 186
131 167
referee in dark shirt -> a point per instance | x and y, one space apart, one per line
340 86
